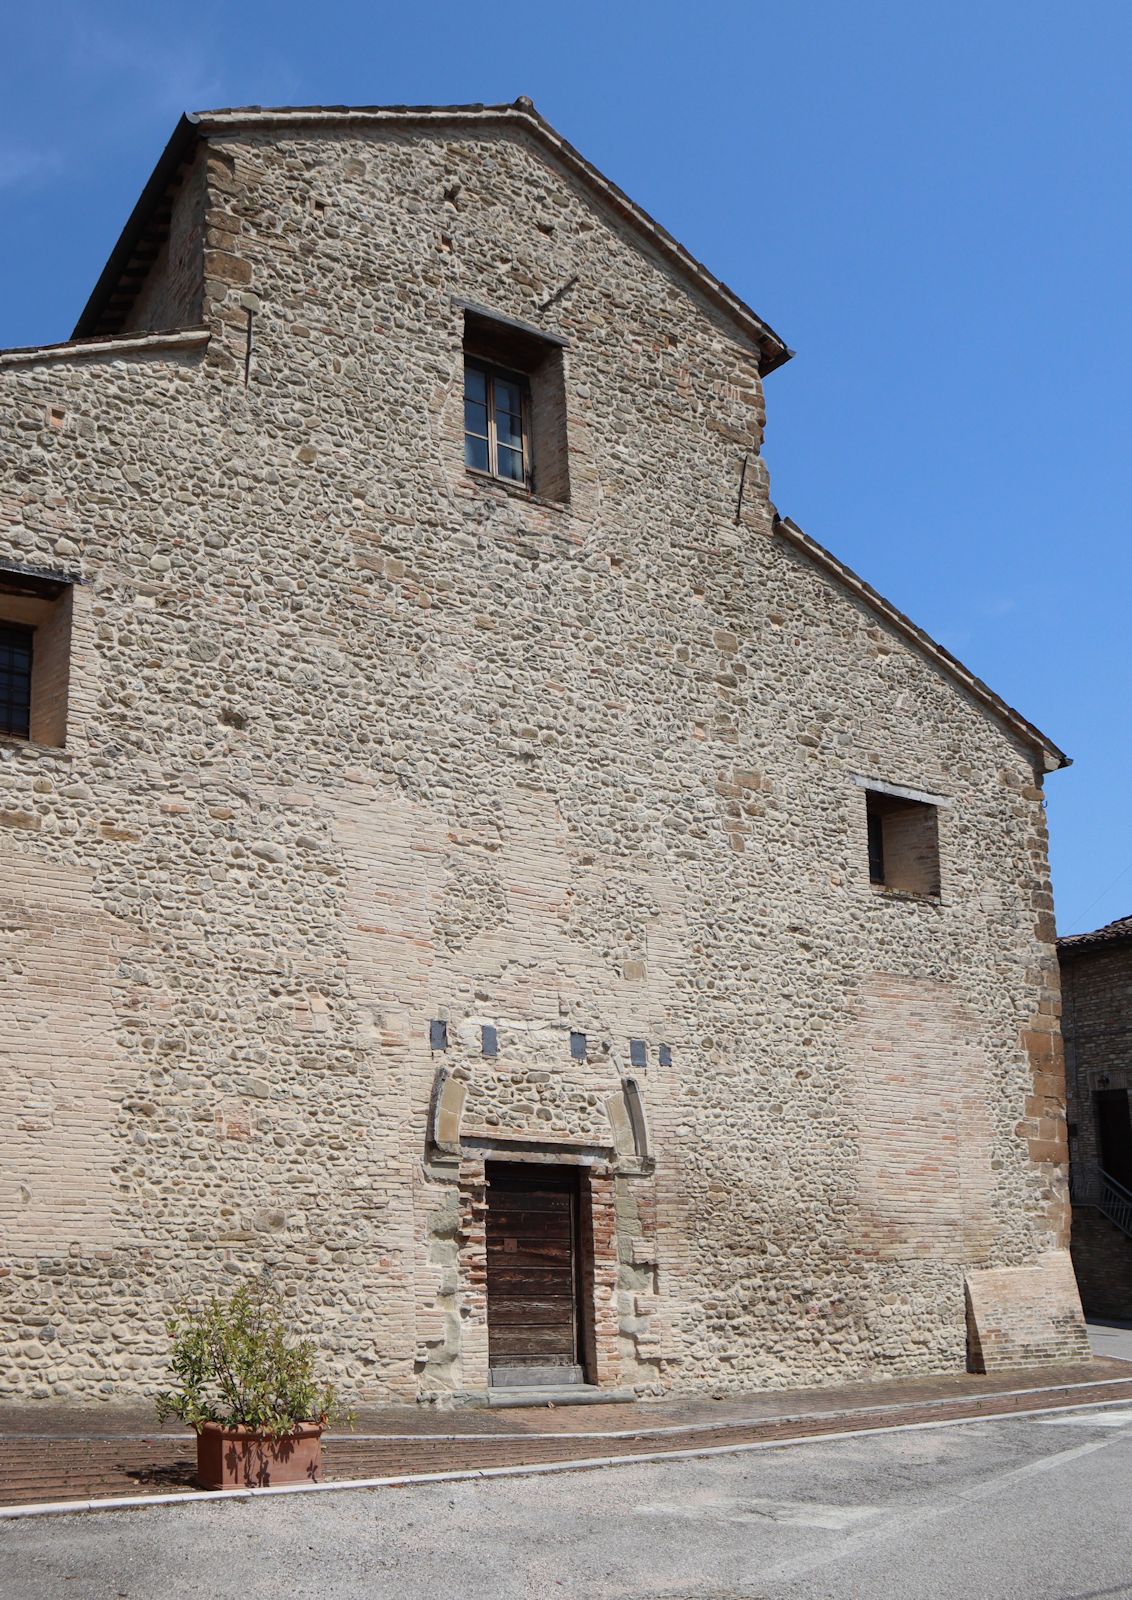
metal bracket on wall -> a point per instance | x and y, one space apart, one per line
742 486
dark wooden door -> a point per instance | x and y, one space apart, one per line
1114 1130
532 1276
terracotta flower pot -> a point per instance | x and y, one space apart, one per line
240 1458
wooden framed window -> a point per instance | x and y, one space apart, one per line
15 680
497 422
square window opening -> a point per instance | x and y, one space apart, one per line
903 844
515 406
35 656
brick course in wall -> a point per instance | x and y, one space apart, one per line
1097 982
357 742
1102 1261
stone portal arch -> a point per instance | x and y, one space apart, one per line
471 1135
626 1143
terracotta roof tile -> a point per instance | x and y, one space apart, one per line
1111 933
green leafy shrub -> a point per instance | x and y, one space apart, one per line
232 1363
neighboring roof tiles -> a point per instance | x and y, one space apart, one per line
118 344
1112 933
521 115
1052 756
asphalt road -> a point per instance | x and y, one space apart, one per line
1033 1508
1111 1338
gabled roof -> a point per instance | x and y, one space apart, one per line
1052 757
1112 933
142 233
140 240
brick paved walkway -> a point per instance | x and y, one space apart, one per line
53 1453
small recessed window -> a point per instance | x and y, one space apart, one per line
515 404
578 1046
903 843
438 1035
638 1053
666 1055
489 1040
35 655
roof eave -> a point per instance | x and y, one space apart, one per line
1111 936
183 138
1083 945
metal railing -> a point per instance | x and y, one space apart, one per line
1094 1187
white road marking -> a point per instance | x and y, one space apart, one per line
903 1523
1097 1420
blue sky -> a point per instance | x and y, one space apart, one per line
930 203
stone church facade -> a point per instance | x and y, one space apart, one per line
463 853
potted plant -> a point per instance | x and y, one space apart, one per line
248 1391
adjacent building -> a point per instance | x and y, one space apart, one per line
1096 980
462 852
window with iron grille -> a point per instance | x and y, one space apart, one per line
15 680
496 431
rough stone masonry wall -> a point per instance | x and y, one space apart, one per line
357 741
172 294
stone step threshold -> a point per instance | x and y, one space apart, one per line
532 1377
562 1394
